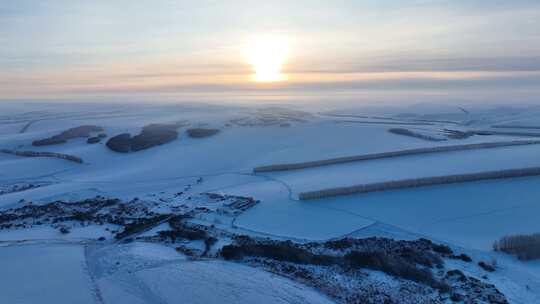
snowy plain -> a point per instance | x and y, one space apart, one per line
470 215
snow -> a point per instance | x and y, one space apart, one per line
48 233
226 160
222 282
410 167
44 274
278 215
151 273
469 215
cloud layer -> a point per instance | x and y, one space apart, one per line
75 49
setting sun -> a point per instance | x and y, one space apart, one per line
267 55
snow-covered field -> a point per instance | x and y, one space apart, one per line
44 273
41 265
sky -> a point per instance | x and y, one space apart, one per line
129 50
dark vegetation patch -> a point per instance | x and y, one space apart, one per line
236 205
456 134
411 261
81 131
279 251
472 290
131 216
487 267
140 225
154 135
69 157
397 258
422 251
395 266
418 265
442 249
201 132
150 136
120 143
19 187
93 140
463 257
525 247
182 230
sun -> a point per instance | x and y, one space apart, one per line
267 55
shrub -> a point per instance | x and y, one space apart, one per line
403 259
456 272
415 256
391 265
48 141
442 249
209 242
120 143
43 154
463 257
153 135
279 251
525 247
82 216
201 132
231 252
486 266
140 225
93 140
184 233
150 136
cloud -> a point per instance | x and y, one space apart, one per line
400 63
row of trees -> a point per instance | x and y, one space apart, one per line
419 182
347 159
43 154
525 247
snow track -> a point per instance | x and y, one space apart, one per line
94 286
